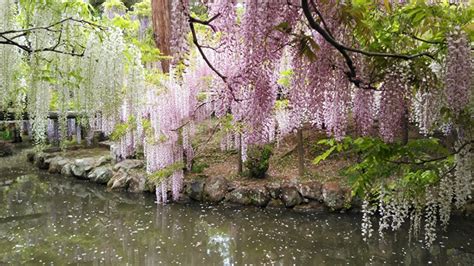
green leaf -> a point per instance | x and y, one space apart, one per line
283 27
324 156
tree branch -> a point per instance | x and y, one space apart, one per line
423 161
206 23
322 19
197 151
193 20
423 40
352 75
50 28
199 47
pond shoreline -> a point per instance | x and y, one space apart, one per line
129 175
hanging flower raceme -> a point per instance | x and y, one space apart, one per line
103 71
9 58
262 51
39 93
364 111
363 107
132 107
113 8
306 94
426 108
336 106
226 55
160 145
458 79
393 105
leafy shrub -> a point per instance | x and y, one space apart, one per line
258 160
198 167
410 168
6 135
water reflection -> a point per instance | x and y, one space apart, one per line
47 218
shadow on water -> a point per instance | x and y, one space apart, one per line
48 218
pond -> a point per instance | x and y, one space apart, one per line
48 219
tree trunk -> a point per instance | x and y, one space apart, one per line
299 136
161 16
16 134
240 166
405 127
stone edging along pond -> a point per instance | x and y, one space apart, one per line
129 175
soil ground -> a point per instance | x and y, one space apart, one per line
283 163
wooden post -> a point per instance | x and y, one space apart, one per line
56 133
78 133
16 134
405 127
299 136
240 165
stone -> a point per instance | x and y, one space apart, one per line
118 180
30 156
48 159
66 170
310 207
56 164
81 167
310 190
106 144
459 257
136 181
274 189
195 189
215 189
232 185
290 196
97 137
468 208
303 208
128 165
101 174
333 195
275 203
41 160
150 186
183 199
256 196
354 202
114 153
52 149
6 149
103 160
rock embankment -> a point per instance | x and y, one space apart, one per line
6 149
130 175
127 175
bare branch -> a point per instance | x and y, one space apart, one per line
193 20
50 27
197 150
199 47
7 40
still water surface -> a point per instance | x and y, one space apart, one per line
48 219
